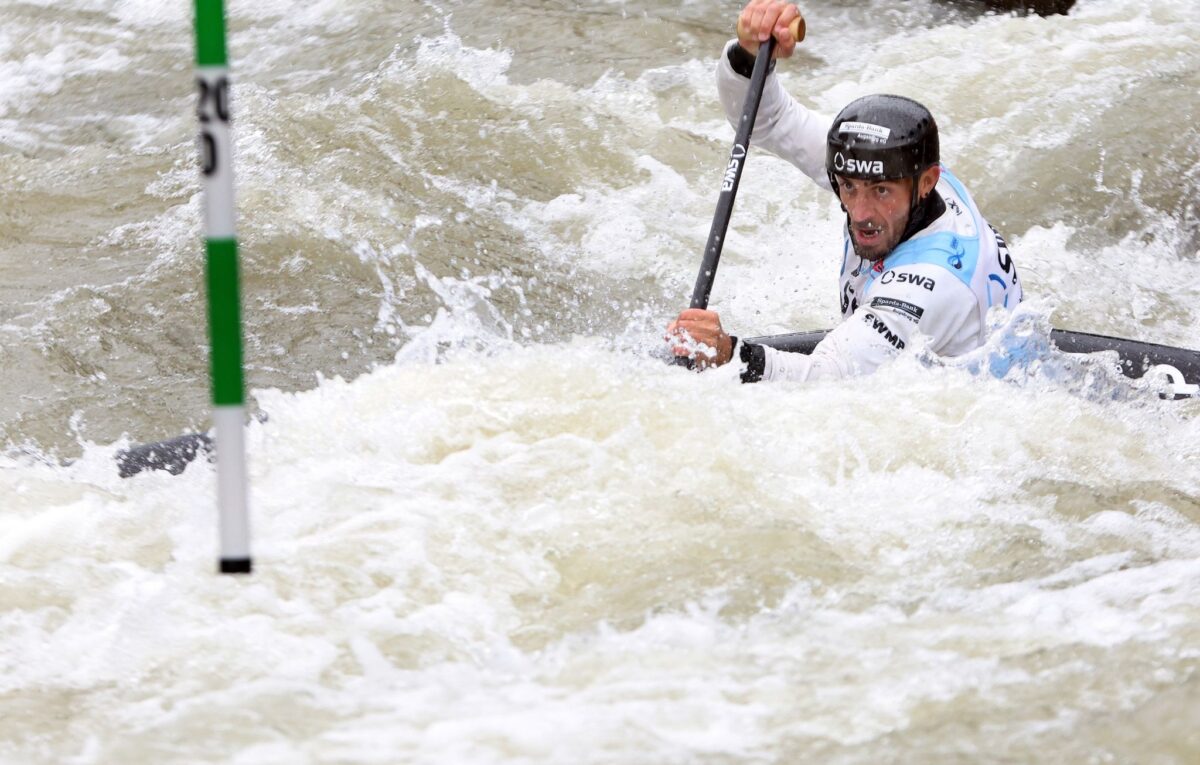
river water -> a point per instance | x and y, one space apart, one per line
490 525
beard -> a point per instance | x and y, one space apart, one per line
879 240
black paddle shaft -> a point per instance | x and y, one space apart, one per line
732 177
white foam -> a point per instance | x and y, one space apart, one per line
495 550
40 74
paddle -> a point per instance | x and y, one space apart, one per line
733 171
733 174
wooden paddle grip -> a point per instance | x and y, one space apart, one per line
797 28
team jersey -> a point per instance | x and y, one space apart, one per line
941 282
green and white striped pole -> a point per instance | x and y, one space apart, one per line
224 300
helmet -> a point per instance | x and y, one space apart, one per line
881 138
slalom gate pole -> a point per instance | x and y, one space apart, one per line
224 298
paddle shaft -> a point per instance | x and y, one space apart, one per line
732 177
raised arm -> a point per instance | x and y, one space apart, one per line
783 127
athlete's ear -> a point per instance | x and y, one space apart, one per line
928 180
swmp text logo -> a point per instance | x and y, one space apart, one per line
867 167
884 331
735 158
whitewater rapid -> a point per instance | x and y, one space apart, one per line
489 524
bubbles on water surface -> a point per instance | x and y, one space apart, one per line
490 526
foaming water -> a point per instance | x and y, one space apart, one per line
490 525
383 146
571 552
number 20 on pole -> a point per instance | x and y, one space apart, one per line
212 105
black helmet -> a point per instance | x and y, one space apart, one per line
881 138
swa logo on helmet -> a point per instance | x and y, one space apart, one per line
852 165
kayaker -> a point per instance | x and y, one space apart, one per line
918 256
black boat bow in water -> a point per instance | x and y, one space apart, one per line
1180 365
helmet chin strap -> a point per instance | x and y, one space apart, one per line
913 203
921 210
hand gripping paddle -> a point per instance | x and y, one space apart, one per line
733 174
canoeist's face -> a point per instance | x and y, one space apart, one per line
878 210
878 213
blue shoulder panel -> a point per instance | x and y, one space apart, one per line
956 253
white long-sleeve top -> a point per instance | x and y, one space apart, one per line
940 283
